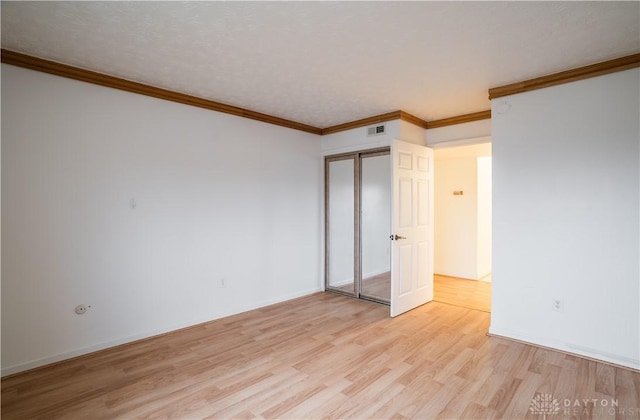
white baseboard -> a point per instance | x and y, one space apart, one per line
364 276
465 276
375 273
577 350
10 370
341 283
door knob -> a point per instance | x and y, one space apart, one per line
396 237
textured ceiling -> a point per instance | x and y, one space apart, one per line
325 63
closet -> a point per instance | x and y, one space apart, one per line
358 224
379 225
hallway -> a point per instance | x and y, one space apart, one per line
472 294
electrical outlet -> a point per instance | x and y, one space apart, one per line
223 282
557 305
81 309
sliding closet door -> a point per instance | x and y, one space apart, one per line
375 226
358 224
379 225
341 259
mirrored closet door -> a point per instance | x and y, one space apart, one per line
357 224
340 223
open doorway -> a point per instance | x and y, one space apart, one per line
462 225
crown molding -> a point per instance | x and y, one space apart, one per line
460 119
71 72
64 70
76 73
405 116
580 73
376 119
395 115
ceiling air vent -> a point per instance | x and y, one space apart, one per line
376 130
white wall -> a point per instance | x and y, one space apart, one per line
462 222
566 205
412 133
356 139
484 214
475 132
215 196
455 222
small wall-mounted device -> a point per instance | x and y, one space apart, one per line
376 130
81 309
459 192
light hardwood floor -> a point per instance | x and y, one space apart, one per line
321 356
377 287
472 294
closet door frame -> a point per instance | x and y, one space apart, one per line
356 156
363 155
327 237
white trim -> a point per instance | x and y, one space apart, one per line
356 148
148 334
341 283
569 348
460 142
375 273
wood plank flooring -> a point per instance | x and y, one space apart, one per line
377 287
472 294
323 356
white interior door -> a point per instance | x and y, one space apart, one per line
412 226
